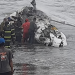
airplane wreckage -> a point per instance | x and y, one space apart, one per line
46 33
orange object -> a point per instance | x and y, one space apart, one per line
26 26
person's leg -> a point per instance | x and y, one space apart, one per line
19 40
13 40
23 40
32 38
16 40
26 37
7 44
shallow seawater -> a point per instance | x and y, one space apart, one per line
44 60
40 59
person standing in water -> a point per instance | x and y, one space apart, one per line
6 64
25 27
7 34
32 30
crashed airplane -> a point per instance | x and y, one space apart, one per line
46 33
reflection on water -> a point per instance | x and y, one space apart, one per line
24 69
30 69
42 60
28 60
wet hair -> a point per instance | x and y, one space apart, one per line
2 44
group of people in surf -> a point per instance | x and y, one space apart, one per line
11 30
14 31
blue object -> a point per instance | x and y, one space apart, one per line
9 19
2 40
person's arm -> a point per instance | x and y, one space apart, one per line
11 65
10 61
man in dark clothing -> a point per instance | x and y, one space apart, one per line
6 64
18 32
32 30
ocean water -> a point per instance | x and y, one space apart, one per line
60 10
42 60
